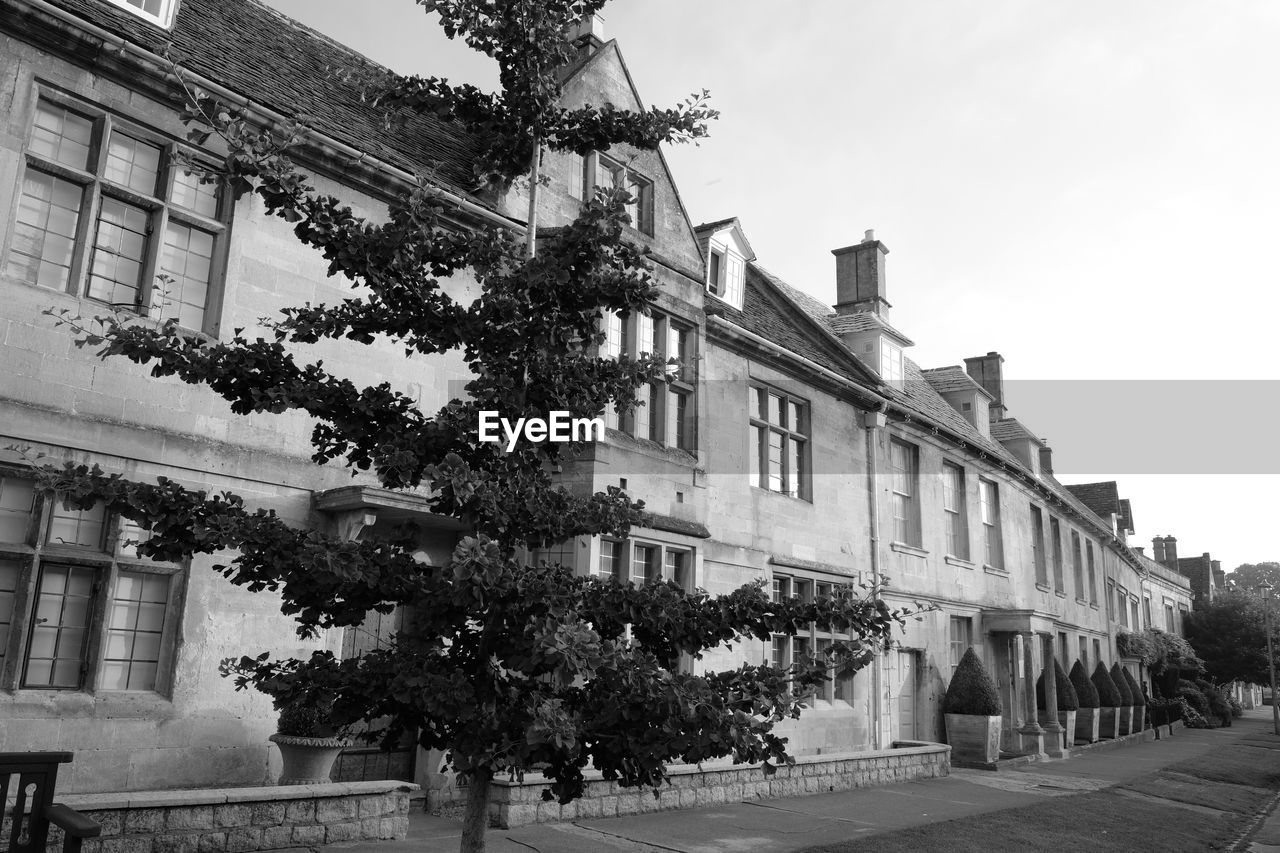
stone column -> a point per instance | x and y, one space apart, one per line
1031 736
1053 745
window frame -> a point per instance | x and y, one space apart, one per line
1093 572
159 207
957 515
163 19
624 557
1077 565
992 527
643 207
839 688
761 427
675 338
957 647
904 492
1059 569
1038 547
726 275
108 562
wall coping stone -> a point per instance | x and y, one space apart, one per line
720 765
218 796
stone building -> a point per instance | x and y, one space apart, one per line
799 447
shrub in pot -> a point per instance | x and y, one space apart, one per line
1068 704
1126 699
1108 702
1087 695
972 712
309 742
1139 700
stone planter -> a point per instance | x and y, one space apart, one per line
974 740
1139 718
307 760
1067 719
1087 725
1108 723
1124 720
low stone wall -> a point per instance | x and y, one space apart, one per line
238 820
519 803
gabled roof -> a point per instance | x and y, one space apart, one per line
953 378
865 321
707 230
277 62
1009 429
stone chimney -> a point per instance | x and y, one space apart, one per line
588 34
1167 551
1141 550
1157 549
1046 460
860 284
986 370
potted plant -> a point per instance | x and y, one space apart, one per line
1087 717
1125 711
1108 703
972 712
309 742
1139 701
1068 704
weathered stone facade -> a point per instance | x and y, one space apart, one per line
863 443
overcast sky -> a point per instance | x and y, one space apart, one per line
1090 188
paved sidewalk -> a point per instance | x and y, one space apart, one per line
794 823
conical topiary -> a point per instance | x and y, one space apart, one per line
1067 699
1139 698
972 689
1117 676
1108 693
1086 693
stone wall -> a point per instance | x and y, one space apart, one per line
235 820
519 803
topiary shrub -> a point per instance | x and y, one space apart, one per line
1086 693
1067 699
972 689
1108 693
1122 686
1139 698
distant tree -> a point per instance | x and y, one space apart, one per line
1246 576
1229 635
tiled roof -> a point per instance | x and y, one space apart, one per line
768 312
1162 571
863 321
946 380
804 301
1009 429
1102 498
273 60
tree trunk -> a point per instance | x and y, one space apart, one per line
531 234
476 819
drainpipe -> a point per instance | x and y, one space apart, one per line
872 421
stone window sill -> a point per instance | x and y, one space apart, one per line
995 570
1043 587
904 548
959 561
1081 601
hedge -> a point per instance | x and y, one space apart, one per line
1108 693
972 689
1067 699
1117 678
1086 693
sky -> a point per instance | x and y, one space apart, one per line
1089 188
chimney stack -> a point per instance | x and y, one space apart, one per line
1157 549
860 283
1141 550
1046 460
986 370
1171 552
588 34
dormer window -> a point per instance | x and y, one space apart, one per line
891 362
159 12
725 271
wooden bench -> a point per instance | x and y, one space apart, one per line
29 808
